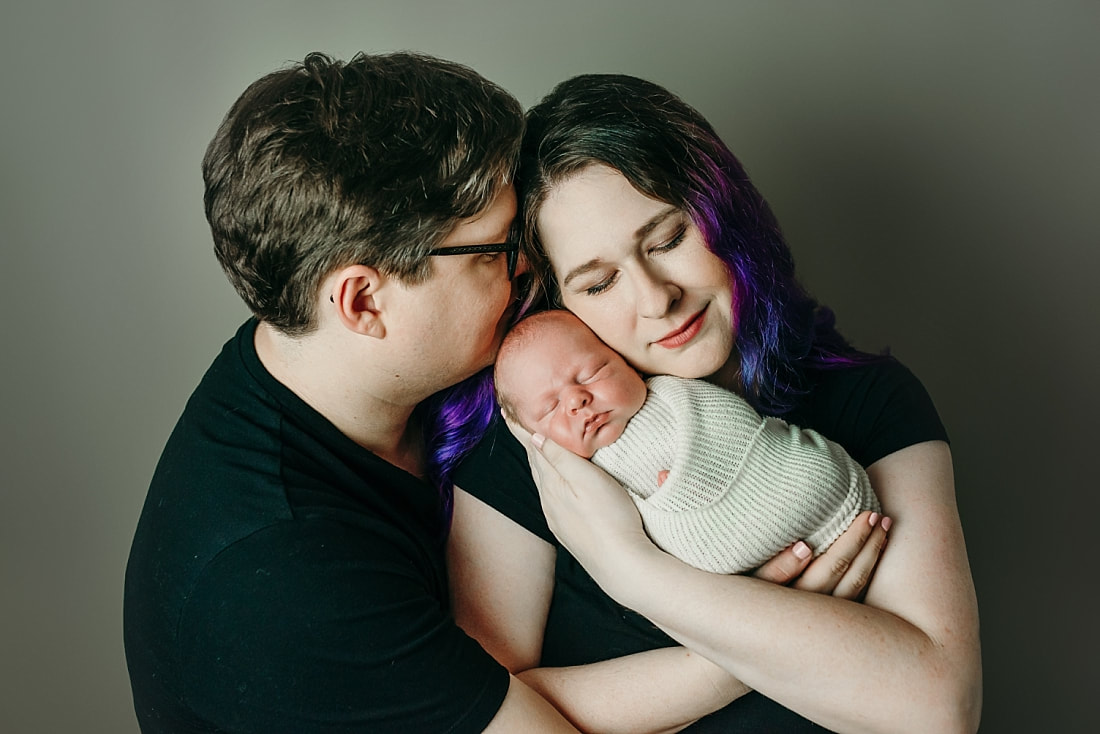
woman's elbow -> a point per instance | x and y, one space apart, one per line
969 706
961 709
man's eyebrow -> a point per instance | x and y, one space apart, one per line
640 234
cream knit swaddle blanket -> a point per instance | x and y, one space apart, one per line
740 487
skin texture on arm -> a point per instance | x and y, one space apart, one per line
502 578
525 710
907 660
661 690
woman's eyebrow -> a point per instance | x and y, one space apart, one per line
654 222
581 270
640 234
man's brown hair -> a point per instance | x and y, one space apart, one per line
373 161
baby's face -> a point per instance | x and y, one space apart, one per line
568 385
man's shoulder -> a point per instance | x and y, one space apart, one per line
297 564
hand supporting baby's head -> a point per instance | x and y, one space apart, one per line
554 376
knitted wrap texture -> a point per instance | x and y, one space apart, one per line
740 487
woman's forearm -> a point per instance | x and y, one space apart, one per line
646 693
907 660
847 666
502 577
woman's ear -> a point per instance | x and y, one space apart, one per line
354 294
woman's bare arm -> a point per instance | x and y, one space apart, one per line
907 660
501 580
501 577
525 710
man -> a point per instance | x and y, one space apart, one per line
287 572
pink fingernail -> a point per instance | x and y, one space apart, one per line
538 439
801 550
886 523
873 518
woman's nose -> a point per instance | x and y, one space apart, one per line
656 295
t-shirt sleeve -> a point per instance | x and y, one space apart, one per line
498 474
297 629
872 410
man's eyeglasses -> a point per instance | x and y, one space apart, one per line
510 248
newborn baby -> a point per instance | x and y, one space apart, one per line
717 485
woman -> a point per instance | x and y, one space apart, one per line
645 226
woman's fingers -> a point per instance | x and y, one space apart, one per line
533 444
854 583
845 568
518 431
786 566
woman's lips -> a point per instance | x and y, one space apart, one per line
685 333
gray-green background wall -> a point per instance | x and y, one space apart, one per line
934 164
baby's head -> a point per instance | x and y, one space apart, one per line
554 376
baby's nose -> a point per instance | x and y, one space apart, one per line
579 400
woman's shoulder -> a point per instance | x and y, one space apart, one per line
872 408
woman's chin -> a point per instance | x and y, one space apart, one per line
702 364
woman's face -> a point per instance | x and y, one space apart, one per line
637 271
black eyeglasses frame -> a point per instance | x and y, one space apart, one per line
509 248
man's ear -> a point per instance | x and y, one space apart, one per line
354 293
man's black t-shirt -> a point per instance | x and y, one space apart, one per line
871 410
284 579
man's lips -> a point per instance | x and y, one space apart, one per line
683 334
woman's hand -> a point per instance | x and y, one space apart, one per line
600 518
586 509
844 570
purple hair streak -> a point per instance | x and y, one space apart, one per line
670 153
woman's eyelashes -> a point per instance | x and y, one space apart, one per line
667 246
603 285
671 244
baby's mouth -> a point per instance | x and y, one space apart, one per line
594 423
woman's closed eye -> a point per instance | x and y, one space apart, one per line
603 285
671 244
667 246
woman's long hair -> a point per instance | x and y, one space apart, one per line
669 152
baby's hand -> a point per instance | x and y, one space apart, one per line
662 476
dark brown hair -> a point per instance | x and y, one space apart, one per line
373 161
